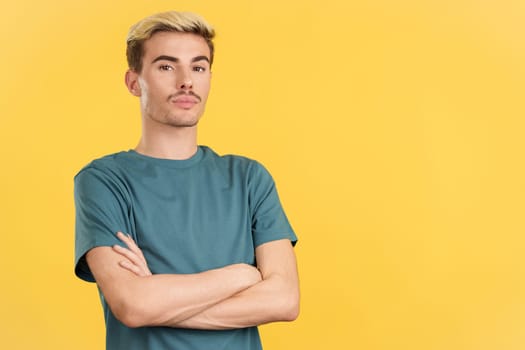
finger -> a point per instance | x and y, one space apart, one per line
135 260
134 253
129 254
126 238
132 268
135 248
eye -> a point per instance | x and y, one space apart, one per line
199 69
165 67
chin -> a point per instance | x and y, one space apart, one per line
178 123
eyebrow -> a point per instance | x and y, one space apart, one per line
176 60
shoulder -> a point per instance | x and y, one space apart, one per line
238 164
102 174
111 163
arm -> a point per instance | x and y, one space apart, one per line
162 300
275 298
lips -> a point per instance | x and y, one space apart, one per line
185 102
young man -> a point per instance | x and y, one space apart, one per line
190 250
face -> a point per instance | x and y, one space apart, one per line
174 82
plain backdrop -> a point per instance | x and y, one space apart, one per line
393 129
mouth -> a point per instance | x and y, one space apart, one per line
184 102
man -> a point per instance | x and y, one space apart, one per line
190 250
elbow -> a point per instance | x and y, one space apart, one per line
286 302
129 314
291 312
130 320
288 309
141 311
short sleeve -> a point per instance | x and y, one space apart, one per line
269 221
101 211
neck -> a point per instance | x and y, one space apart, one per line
168 142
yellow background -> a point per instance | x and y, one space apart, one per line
394 130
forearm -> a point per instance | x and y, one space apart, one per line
190 301
271 300
161 300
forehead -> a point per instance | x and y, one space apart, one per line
180 45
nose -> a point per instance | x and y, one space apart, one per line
184 82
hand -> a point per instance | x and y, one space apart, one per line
135 262
248 273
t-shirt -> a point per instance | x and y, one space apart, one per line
187 216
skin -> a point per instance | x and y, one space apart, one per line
163 299
173 88
274 298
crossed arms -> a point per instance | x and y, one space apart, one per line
234 296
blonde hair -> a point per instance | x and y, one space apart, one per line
171 21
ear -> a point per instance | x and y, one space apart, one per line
132 82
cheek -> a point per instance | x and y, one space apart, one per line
204 87
154 93
149 98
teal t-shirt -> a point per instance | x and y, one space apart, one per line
187 216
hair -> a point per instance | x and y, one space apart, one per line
171 21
